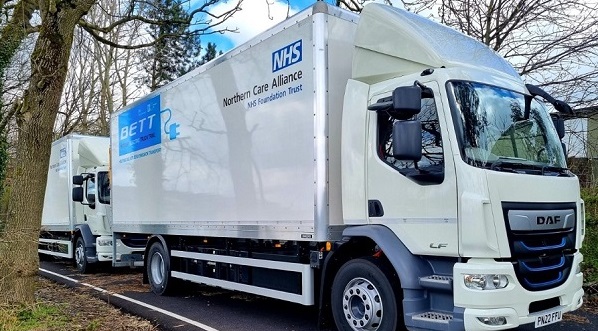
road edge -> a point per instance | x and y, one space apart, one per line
163 319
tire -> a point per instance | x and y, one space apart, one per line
363 298
158 270
80 258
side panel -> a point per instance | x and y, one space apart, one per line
354 137
56 215
340 48
228 152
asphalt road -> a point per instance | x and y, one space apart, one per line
212 309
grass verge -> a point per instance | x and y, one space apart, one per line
59 308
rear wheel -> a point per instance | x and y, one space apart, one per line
158 269
364 299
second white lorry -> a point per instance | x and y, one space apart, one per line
82 232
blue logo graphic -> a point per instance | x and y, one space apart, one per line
141 126
288 55
172 130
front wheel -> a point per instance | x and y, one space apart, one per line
158 269
83 266
363 298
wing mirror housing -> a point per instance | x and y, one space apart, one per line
559 125
78 180
407 140
78 193
406 101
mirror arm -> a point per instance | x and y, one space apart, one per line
380 105
560 106
426 91
537 91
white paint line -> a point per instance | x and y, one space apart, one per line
143 304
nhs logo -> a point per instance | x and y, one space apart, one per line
288 55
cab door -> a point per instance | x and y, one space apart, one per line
416 199
95 212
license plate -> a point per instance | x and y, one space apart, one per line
549 318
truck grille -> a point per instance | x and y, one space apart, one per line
542 242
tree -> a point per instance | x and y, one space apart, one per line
100 78
176 49
210 54
12 34
551 43
35 117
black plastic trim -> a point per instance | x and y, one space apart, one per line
542 259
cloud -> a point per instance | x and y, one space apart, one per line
255 17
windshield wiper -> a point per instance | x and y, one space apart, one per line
558 170
506 165
512 165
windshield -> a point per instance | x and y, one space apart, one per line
498 132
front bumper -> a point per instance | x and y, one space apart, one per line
513 301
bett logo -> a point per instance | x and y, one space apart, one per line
287 56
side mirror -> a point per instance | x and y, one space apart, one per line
559 125
407 140
78 180
77 193
406 101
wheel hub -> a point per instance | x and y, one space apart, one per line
157 268
362 305
79 254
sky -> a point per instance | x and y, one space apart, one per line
255 17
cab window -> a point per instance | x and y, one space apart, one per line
103 188
430 169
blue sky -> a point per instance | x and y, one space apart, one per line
252 19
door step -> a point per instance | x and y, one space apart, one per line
437 282
434 317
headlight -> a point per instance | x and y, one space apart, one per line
104 242
485 282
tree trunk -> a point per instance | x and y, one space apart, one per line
18 240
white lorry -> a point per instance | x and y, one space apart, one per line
386 168
72 230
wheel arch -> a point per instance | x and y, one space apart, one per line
83 230
369 240
407 266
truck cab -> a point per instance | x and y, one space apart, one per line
92 190
465 167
